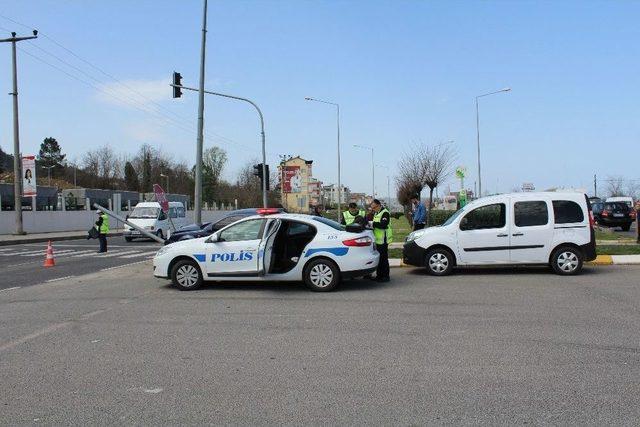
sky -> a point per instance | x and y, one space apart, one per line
403 72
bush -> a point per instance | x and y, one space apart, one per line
439 217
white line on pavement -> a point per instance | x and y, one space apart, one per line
55 253
58 279
123 265
139 254
114 254
9 289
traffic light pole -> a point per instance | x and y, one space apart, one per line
200 138
264 152
17 175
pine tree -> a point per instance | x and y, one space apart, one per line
50 154
131 177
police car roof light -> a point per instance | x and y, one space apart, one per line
268 211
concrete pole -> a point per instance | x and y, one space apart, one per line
17 166
200 139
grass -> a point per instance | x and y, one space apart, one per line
610 235
401 229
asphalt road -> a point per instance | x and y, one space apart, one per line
482 346
21 265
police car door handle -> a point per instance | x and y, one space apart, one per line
503 235
518 234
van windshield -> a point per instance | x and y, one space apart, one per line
453 217
145 212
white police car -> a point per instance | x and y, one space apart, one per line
271 246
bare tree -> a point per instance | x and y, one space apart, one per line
615 186
423 166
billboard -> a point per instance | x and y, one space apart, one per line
291 179
29 176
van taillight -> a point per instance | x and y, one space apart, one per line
360 241
592 220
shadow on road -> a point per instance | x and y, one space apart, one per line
505 271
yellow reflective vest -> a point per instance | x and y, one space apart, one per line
382 235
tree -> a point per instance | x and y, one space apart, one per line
104 168
615 186
131 177
423 166
50 155
147 186
214 160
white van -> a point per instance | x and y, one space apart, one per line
519 228
149 215
624 199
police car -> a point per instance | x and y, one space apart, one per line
271 246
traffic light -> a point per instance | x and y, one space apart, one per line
257 171
177 80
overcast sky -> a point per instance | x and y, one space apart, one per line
402 71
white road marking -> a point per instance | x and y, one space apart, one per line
10 289
153 390
55 253
114 254
123 265
139 254
58 279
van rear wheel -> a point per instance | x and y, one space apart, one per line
567 261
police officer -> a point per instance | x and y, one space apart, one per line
353 214
384 236
102 224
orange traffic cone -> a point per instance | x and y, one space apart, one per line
49 261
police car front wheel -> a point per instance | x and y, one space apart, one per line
321 275
186 275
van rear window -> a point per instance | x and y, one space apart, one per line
567 212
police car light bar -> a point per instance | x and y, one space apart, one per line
268 211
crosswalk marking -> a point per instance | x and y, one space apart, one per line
114 254
39 253
139 254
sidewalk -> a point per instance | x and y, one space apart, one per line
10 239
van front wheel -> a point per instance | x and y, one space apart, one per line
439 262
567 261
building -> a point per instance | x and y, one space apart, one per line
359 199
315 192
296 179
330 195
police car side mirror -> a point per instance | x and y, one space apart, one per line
212 239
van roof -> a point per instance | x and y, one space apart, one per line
157 205
552 195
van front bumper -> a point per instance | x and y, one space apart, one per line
412 254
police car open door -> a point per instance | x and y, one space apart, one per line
266 246
235 250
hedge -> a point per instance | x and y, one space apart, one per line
438 217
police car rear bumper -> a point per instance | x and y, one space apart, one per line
358 273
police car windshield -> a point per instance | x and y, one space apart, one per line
453 217
329 222
145 212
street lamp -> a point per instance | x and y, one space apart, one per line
165 176
48 168
373 173
506 89
388 185
338 125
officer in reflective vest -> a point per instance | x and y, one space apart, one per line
353 215
383 235
102 224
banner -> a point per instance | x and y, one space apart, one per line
29 176
291 179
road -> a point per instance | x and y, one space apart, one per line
21 265
482 346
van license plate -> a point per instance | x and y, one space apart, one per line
618 215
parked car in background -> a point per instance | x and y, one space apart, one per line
614 214
149 216
193 231
624 199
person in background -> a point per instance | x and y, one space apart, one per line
102 224
353 214
383 236
419 213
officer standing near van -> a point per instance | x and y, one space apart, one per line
353 214
102 224
383 236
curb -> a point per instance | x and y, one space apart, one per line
46 239
600 260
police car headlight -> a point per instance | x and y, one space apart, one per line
162 251
415 235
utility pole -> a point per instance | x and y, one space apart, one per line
17 175
595 185
199 142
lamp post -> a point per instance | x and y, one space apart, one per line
506 89
388 185
165 176
373 169
48 168
338 126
